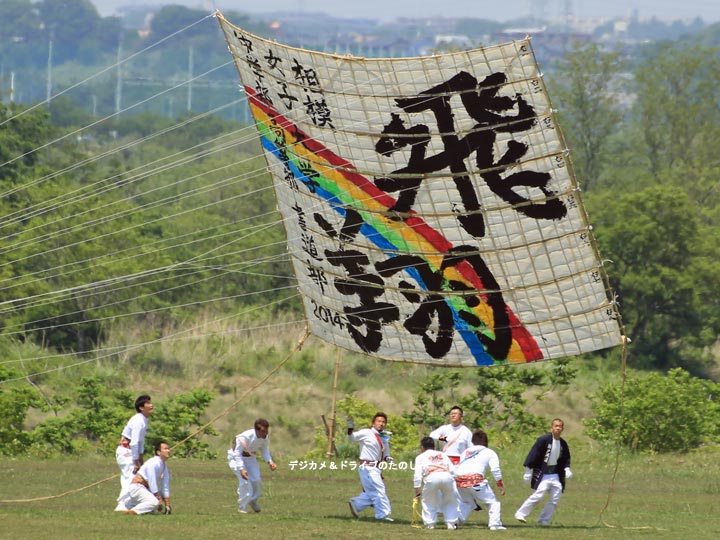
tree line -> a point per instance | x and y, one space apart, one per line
642 132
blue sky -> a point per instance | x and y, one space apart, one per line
503 10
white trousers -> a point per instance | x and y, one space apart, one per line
123 456
440 494
550 483
480 493
248 490
373 492
138 498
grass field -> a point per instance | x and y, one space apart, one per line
653 497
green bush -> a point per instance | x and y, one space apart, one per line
658 413
91 417
14 405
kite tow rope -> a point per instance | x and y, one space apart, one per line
298 347
611 487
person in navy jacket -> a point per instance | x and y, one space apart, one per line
547 466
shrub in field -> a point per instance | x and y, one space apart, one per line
499 401
658 413
175 419
14 405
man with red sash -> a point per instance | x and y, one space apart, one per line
455 437
472 481
434 483
374 450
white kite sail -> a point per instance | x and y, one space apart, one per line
431 211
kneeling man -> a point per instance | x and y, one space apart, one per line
149 490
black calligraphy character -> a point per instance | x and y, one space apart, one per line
290 179
308 176
483 106
244 41
318 276
370 314
274 62
281 150
286 97
432 304
288 174
262 91
318 111
397 136
306 76
309 246
482 103
498 345
300 216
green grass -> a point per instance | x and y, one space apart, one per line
654 497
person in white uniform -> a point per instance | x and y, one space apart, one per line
149 490
455 437
434 483
130 450
547 466
473 485
243 460
374 450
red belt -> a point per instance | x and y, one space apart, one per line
468 480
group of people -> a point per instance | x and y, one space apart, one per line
452 481
145 486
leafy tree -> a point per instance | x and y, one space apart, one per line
83 258
658 413
72 26
19 25
585 85
173 18
20 134
653 239
678 89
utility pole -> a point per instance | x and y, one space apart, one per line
48 86
190 77
118 84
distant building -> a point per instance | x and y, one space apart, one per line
547 45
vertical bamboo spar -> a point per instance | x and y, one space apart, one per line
331 451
